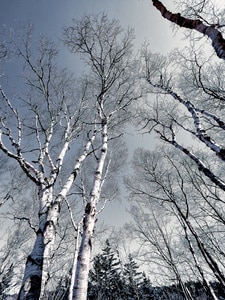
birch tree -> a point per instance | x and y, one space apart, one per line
55 116
185 110
204 17
177 226
192 80
187 93
107 51
37 128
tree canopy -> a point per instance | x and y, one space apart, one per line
64 159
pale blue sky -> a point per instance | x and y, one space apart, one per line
49 16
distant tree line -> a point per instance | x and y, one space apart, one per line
111 279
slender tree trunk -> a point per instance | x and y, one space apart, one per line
211 262
36 269
73 271
37 265
198 266
85 251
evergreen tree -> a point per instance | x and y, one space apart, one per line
132 278
105 278
146 291
109 280
137 285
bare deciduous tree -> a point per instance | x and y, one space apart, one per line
189 238
45 130
37 132
107 50
184 113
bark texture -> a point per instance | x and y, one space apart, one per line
38 262
218 42
85 251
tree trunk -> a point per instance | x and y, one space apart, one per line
73 270
85 251
210 31
37 264
83 260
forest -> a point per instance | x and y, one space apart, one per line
64 160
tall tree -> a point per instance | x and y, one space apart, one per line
107 51
105 278
37 129
183 84
191 86
189 236
192 82
62 117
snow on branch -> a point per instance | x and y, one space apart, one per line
211 31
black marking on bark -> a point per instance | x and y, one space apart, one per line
88 208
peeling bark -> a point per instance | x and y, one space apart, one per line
218 42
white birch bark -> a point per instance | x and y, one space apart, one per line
196 113
109 63
38 262
211 30
75 256
85 251
35 274
201 166
199 132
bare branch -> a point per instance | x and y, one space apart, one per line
210 31
28 221
200 131
201 166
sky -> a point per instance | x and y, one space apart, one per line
50 16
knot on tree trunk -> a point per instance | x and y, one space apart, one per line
88 208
